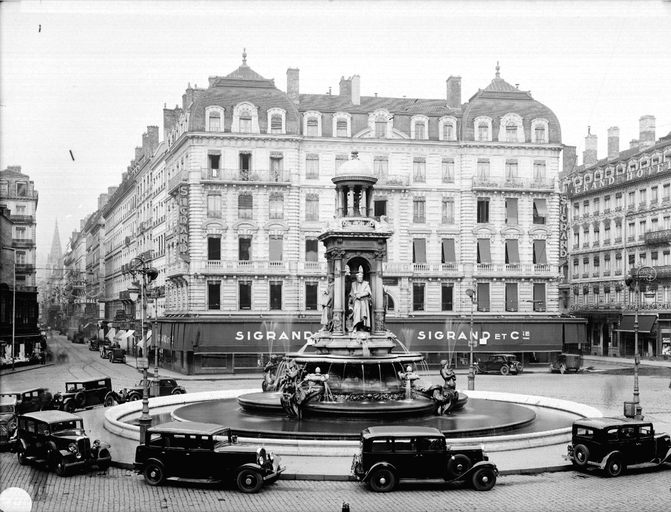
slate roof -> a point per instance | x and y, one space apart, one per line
368 104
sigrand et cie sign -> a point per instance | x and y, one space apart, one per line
612 177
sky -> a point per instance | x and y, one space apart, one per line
88 77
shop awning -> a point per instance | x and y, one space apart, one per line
120 334
645 323
111 333
127 334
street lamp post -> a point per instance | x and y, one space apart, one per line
471 369
13 304
139 265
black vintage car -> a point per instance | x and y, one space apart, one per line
93 344
58 439
389 454
165 387
81 394
204 451
566 362
613 444
7 418
504 364
116 354
30 399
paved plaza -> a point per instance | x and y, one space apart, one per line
324 486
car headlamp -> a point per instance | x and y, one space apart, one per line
72 447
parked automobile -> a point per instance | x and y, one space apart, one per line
392 453
93 344
78 337
81 394
500 363
7 418
116 355
613 444
566 362
165 387
104 347
58 439
184 449
30 399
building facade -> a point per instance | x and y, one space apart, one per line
18 287
620 218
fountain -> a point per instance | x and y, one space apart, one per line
354 366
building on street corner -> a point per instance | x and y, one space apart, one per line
620 220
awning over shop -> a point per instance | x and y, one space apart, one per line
646 323
127 334
120 335
111 333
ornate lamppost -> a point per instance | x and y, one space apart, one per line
471 343
140 266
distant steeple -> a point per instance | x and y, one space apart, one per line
498 70
244 56
53 261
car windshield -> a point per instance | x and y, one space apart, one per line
73 386
74 426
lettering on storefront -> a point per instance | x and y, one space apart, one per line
563 226
273 336
183 221
612 177
482 336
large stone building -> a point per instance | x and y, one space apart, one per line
230 205
620 218
18 288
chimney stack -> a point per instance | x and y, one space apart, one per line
111 190
633 143
589 155
170 117
102 200
356 90
345 87
138 154
613 142
646 136
292 84
152 131
454 91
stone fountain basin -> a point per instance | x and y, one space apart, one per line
118 420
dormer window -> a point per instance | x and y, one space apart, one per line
245 118
341 125
312 124
419 128
379 122
313 127
511 128
448 129
21 189
539 131
276 120
214 119
483 129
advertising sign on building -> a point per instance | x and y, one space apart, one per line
563 227
183 221
597 179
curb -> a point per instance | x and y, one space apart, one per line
5 373
348 478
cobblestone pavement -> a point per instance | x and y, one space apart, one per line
122 490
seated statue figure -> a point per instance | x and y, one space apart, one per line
360 300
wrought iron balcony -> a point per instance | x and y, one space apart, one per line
243 175
659 237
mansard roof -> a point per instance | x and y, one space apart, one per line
368 104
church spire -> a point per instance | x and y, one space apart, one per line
498 70
56 249
244 56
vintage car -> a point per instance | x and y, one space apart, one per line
165 387
30 399
566 362
93 344
392 453
104 347
504 364
192 450
58 439
81 394
613 444
116 354
7 418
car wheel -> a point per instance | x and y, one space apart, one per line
382 480
69 406
133 397
562 369
80 399
177 392
21 456
108 402
458 465
484 479
520 369
505 370
59 467
154 473
614 466
580 455
249 481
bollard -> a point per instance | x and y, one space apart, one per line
345 507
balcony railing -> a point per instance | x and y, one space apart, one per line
618 272
662 236
606 273
618 240
408 268
22 219
585 245
25 268
595 273
585 275
393 180
642 205
498 183
238 175
177 180
22 243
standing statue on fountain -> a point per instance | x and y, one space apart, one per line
360 300
327 307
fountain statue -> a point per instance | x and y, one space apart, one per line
354 366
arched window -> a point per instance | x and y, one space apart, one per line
276 120
419 128
214 119
342 124
448 129
245 118
312 126
539 131
511 128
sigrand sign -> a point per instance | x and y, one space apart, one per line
612 177
183 221
482 336
563 226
